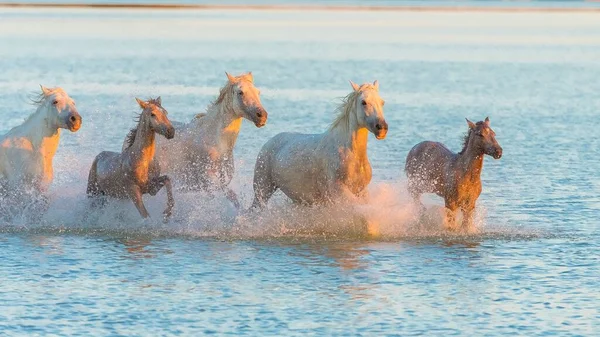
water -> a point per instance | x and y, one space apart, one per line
531 270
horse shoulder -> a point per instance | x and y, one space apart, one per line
21 154
19 143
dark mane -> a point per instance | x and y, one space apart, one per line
130 138
466 138
131 135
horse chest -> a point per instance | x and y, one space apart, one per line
139 174
355 175
468 191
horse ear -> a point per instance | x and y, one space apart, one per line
471 124
376 84
45 90
229 77
250 77
158 100
141 103
487 121
354 86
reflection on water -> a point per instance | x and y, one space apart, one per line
137 247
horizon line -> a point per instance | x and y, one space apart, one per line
406 8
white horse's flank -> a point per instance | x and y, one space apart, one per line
27 150
200 157
328 167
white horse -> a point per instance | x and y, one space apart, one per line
27 150
323 168
200 157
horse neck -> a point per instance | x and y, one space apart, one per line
43 136
222 124
470 162
143 146
347 133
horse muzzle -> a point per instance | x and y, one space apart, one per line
380 129
74 123
260 118
497 154
170 133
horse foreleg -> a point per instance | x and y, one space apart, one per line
363 196
450 217
467 222
339 191
170 200
156 185
135 194
232 196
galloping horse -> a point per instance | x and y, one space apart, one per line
432 168
200 157
328 167
27 150
131 173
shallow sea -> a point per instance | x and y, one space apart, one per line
532 269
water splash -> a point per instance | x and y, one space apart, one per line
390 215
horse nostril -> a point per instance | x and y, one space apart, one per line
379 126
259 114
73 119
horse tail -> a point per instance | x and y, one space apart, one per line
92 187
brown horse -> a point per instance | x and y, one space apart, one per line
133 173
432 168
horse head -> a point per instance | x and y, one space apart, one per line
369 108
484 138
61 110
245 99
156 117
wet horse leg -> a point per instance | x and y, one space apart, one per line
263 186
170 200
135 194
468 212
156 185
450 216
232 196
415 194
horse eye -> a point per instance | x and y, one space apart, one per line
364 102
55 102
153 114
241 93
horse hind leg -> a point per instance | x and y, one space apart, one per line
232 196
415 193
93 190
263 185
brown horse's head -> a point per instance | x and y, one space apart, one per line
482 138
156 116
